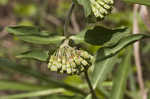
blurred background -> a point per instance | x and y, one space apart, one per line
49 15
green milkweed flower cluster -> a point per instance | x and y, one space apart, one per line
101 8
69 60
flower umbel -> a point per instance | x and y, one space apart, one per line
69 60
101 8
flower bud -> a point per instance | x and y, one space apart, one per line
69 71
53 68
85 63
101 8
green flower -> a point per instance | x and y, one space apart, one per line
101 8
69 60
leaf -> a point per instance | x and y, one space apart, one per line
42 39
7 64
142 2
34 94
12 85
119 83
79 38
35 54
101 69
107 52
23 30
86 5
105 58
99 35
34 35
74 80
88 97
101 92
59 96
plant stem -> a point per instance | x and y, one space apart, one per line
137 53
90 85
67 20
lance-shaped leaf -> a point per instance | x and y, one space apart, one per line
9 65
42 39
104 36
34 94
101 36
34 35
105 59
120 78
20 86
23 30
142 2
101 69
107 52
35 54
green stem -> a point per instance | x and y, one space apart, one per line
67 20
90 85
65 43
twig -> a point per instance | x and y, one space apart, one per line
90 85
137 53
67 20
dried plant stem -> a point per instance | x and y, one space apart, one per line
137 53
90 85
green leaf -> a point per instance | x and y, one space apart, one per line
34 35
99 35
23 30
86 5
88 97
105 60
107 52
26 70
119 83
26 31
35 54
42 40
101 92
134 94
142 2
79 38
101 69
34 94
20 86
59 96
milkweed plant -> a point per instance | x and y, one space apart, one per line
71 59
